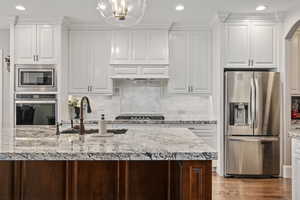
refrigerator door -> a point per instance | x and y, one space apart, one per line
267 104
239 103
252 156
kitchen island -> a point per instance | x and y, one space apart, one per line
144 163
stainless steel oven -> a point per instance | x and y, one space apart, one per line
35 78
35 109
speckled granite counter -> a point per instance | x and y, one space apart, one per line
142 143
152 122
294 133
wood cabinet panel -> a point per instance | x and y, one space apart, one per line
147 180
43 180
105 180
197 180
8 190
95 180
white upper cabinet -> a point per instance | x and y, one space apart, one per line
89 62
100 82
294 65
178 82
35 44
45 44
237 45
140 47
121 47
200 65
251 45
25 44
158 47
79 63
190 66
264 45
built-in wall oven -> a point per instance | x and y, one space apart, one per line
30 78
35 109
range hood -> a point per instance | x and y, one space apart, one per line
140 54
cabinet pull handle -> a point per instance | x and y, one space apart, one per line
33 58
189 88
91 88
249 62
88 88
37 58
252 63
192 88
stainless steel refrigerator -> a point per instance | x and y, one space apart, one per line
252 123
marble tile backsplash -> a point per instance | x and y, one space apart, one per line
145 97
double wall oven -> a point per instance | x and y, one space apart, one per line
35 98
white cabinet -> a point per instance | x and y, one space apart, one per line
140 47
294 65
251 45
296 168
89 62
190 62
35 44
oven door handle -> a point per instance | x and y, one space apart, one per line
36 102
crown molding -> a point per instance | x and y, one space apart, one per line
52 21
87 26
271 17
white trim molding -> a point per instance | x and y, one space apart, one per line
287 171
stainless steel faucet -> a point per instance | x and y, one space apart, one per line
89 110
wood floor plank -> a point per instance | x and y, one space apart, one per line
251 189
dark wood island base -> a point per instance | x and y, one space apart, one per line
105 180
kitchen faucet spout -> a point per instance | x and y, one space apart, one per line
89 110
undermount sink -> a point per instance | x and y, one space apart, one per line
93 131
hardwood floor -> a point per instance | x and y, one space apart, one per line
251 189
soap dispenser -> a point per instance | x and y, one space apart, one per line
102 125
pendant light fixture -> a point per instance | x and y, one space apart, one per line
122 13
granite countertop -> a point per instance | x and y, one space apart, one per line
142 143
294 132
145 122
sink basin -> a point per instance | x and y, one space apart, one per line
93 131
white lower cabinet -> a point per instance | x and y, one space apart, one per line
296 168
89 68
190 62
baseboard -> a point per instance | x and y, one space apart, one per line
287 171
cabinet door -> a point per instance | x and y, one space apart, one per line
121 47
25 44
263 45
9 188
237 45
46 44
99 62
199 61
294 65
139 47
158 50
43 180
79 62
178 70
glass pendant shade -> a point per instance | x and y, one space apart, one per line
122 13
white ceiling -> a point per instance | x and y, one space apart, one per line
158 11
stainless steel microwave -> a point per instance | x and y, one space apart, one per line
35 78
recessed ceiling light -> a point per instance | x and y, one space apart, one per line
261 8
101 6
179 7
20 7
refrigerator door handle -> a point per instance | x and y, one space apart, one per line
255 103
252 103
249 139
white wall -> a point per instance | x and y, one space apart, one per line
4 44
